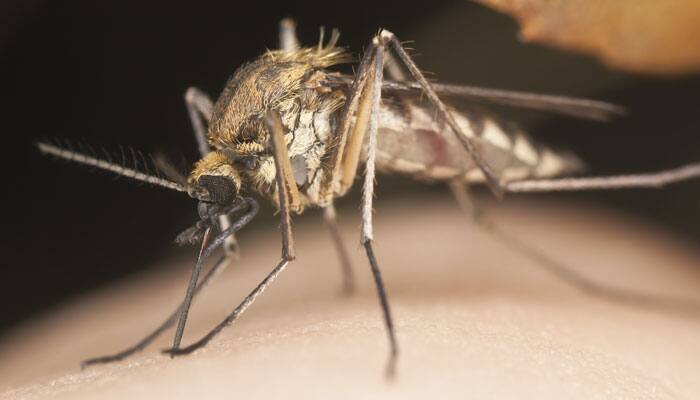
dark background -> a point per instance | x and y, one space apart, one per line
113 73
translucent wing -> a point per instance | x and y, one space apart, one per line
570 106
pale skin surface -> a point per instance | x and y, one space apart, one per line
474 320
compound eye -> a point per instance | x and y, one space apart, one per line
250 163
221 189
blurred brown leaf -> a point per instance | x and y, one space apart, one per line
649 36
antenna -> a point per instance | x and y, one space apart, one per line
133 173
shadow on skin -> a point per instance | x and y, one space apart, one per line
473 318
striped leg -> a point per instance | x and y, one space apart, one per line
358 118
374 96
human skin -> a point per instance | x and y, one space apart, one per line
473 318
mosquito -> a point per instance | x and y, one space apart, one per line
289 129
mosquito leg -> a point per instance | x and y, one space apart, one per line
648 180
567 274
199 109
290 195
215 270
190 292
329 217
361 105
466 202
392 69
205 250
288 35
492 180
367 199
275 128
353 149
231 318
286 186
334 171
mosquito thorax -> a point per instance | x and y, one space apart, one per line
294 85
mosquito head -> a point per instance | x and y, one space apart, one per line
215 178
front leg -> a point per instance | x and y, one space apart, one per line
199 109
287 191
274 125
201 231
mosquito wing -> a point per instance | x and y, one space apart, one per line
570 106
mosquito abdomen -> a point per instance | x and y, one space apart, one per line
412 142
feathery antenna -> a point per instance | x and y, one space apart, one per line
67 153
